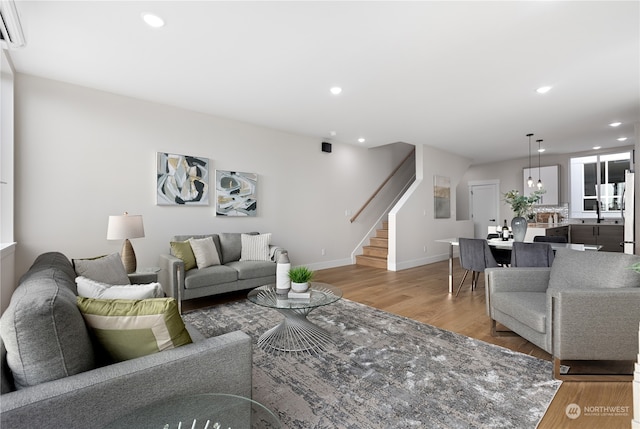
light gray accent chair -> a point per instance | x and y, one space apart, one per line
52 378
585 307
231 275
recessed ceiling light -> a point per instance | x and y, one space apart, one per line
597 147
336 90
361 140
621 139
615 124
543 89
152 20
333 134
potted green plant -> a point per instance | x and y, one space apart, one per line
300 278
520 204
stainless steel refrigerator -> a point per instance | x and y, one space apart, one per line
628 214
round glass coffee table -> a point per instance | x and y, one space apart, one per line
209 410
295 333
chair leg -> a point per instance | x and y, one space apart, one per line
474 279
462 281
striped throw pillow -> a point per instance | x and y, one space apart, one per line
255 247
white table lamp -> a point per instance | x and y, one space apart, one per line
123 228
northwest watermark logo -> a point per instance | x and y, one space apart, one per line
573 411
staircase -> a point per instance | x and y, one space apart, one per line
375 254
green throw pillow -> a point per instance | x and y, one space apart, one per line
183 250
128 329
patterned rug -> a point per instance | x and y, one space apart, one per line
387 371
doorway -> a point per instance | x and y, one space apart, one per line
484 199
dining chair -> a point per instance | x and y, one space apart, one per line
531 255
549 239
502 256
475 256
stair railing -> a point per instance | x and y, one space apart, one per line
377 191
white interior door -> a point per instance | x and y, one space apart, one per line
483 198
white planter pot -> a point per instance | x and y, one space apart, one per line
299 287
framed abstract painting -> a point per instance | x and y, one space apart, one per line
442 197
236 193
182 180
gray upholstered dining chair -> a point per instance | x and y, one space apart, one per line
531 255
475 256
502 256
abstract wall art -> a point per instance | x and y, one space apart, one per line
182 180
442 197
236 193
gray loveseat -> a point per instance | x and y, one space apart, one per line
61 385
586 307
231 275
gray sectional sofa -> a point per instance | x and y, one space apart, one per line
48 353
586 307
231 275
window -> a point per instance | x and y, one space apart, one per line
597 184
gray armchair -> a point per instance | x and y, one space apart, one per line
586 307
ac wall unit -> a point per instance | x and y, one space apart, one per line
11 34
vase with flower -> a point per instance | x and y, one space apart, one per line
521 205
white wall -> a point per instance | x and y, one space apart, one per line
412 224
83 154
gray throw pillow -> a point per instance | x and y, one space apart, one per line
105 269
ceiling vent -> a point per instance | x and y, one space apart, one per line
11 35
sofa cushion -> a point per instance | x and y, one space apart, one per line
106 269
205 252
183 250
93 289
529 308
231 246
573 269
128 329
255 247
42 329
253 269
216 274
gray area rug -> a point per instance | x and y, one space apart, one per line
387 371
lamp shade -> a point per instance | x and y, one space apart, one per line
125 226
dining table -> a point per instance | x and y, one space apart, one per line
499 243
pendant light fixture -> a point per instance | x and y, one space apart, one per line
539 180
530 179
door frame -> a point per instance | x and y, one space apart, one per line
473 183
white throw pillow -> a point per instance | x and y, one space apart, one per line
205 252
93 289
255 247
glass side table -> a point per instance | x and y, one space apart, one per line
295 333
209 410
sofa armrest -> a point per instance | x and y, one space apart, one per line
595 324
520 279
171 275
94 398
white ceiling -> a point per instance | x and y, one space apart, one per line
460 76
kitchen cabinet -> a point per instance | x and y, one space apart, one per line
534 229
550 183
608 236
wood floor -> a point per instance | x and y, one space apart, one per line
420 293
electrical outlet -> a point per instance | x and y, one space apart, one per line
424 249
322 252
